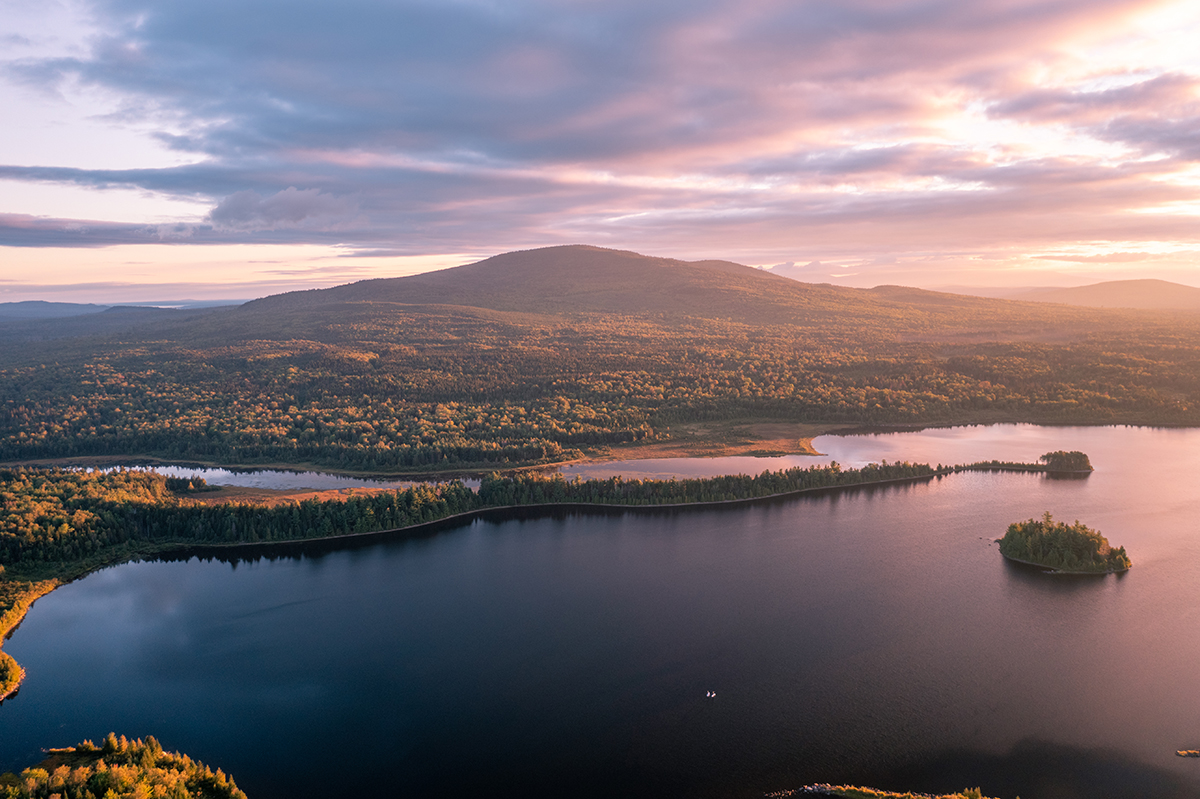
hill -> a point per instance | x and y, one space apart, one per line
563 279
597 286
40 309
565 352
576 279
115 320
1147 293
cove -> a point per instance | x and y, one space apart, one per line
872 635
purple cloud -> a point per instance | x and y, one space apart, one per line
760 129
288 209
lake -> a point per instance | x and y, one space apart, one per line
872 636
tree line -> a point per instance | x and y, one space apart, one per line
50 516
482 393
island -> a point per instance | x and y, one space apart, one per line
1063 548
118 768
1060 461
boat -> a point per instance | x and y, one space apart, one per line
1188 752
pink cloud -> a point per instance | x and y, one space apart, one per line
761 130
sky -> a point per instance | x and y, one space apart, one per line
232 149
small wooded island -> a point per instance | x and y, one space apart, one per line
1064 548
1060 461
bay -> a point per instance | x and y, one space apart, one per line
871 636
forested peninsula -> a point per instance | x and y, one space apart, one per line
58 524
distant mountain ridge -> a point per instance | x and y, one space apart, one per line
41 309
1146 293
555 282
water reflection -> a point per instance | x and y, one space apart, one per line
1039 578
870 635
1039 768
951 445
274 478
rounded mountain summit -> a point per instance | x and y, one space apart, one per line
586 279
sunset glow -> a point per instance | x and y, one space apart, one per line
158 151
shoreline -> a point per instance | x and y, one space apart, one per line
669 449
546 506
13 617
16 614
1063 572
9 623
756 436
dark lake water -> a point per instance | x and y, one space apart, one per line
872 636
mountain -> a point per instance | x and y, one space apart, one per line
40 309
575 279
1146 293
551 283
117 320
544 355
571 278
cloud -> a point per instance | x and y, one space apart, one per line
287 209
1110 258
760 130
1157 115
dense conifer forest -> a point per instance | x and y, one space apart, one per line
1063 547
1061 461
55 516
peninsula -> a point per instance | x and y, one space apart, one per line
61 524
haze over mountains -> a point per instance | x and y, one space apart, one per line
586 279
580 279
583 279
1148 294
41 309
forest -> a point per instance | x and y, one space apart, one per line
59 524
855 792
405 376
1060 461
52 517
118 769
1062 547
